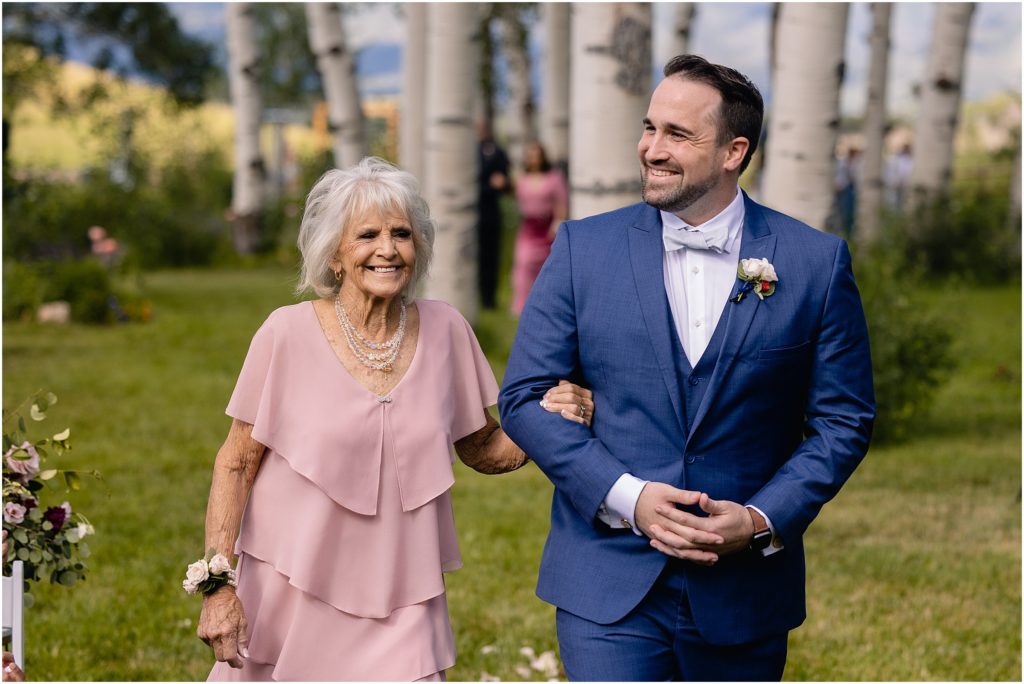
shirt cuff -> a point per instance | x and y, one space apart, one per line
776 544
619 506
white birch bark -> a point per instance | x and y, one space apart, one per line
939 107
519 123
338 73
609 93
450 157
870 187
800 166
244 84
414 74
683 14
554 105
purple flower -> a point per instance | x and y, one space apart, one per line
56 515
14 513
26 467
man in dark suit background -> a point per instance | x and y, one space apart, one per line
492 183
729 409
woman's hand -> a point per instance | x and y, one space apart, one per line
222 625
570 401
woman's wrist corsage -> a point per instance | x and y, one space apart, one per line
209 574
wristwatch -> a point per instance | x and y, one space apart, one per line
762 537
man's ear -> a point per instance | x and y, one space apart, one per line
735 152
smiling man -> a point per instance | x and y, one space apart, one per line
728 354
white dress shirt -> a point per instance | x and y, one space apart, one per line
697 283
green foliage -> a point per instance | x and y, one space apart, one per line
910 342
48 540
172 217
84 284
966 235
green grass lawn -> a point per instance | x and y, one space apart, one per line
914 571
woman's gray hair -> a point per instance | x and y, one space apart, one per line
344 195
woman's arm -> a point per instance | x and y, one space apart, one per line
490 451
222 623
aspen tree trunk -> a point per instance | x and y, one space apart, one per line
870 185
244 83
450 173
520 127
609 90
338 73
800 166
939 108
683 14
554 106
414 74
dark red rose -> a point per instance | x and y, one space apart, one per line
56 515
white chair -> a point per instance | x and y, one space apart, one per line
14 611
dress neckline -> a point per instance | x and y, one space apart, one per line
380 398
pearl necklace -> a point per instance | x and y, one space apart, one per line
378 356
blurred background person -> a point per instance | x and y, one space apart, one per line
543 199
897 176
493 182
847 172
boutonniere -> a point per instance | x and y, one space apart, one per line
758 276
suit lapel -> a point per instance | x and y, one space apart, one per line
646 256
758 243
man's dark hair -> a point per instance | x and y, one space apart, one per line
742 109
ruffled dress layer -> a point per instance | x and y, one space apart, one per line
349 528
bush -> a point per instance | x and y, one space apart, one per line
910 342
967 234
84 284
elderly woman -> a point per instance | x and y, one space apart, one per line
345 413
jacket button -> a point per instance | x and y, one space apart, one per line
694 381
691 459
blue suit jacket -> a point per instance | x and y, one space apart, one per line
786 417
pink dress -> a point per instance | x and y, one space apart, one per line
349 528
537 200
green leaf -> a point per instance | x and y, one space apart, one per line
42 452
29 599
51 397
36 413
21 425
61 436
21 535
47 474
83 550
73 480
68 578
35 555
43 404
47 525
23 554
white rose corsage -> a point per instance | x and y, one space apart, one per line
209 574
758 276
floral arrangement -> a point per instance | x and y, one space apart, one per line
47 536
758 276
209 574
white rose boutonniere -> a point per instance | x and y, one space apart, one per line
758 276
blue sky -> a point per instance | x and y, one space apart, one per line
732 33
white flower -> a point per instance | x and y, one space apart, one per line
546 663
85 529
527 651
189 586
67 509
759 269
219 565
27 467
197 572
14 513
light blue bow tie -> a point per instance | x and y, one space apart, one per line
714 239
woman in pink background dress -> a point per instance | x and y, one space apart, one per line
543 201
344 413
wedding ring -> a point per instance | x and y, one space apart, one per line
583 410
